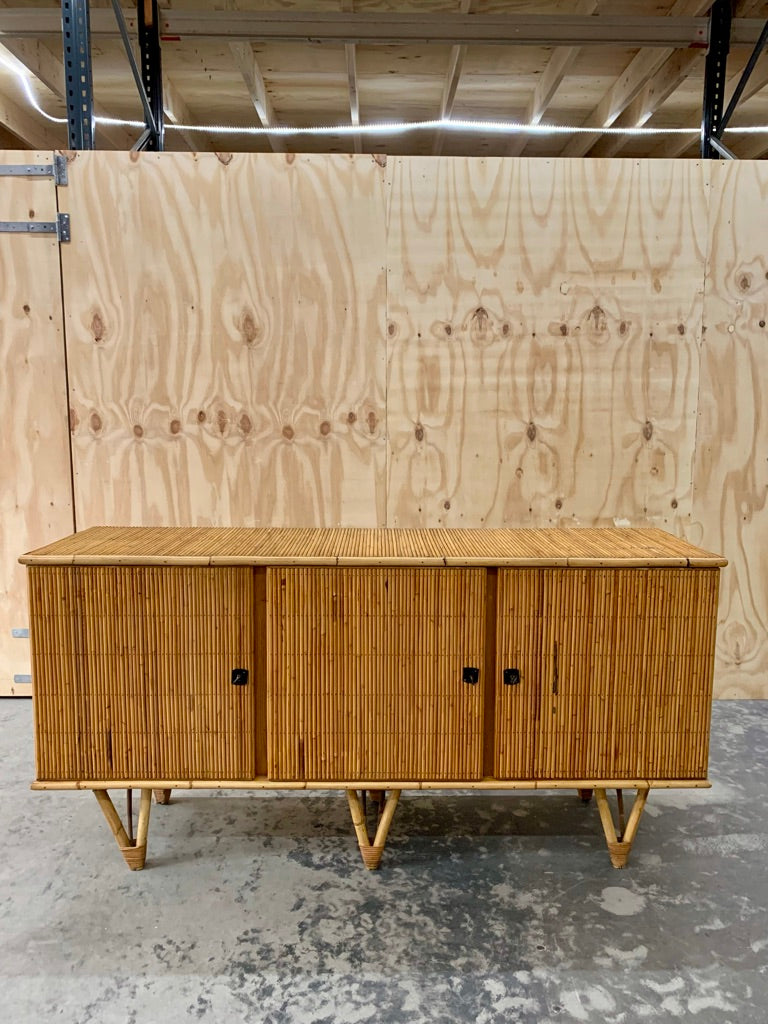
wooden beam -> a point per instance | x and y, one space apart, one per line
396 27
30 127
677 145
557 68
749 148
248 66
452 78
619 96
754 146
351 58
643 66
45 67
177 112
670 75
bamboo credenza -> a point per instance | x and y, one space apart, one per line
373 661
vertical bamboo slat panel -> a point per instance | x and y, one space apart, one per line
616 673
134 668
518 647
366 673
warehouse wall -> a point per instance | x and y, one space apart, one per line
328 339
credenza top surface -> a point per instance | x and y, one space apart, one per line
201 546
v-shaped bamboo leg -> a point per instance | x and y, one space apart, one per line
135 851
619 845
371 851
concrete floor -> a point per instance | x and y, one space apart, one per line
487 909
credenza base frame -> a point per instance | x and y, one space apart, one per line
619 835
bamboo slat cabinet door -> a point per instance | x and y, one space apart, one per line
134 672
627 668
201 683
375 673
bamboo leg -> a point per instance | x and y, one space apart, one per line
162 796
371 851
358 818
619 846
620 807
113 818
585 795
134 851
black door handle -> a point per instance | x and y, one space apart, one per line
470 675
239 676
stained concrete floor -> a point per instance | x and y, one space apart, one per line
492 909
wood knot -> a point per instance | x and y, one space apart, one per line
325 428
448 330
647 430
681 328
505 329
531 432
175 426
245 423
248 329
224 158
558 504
481 315
380 159
597 313
391 329
745 282
74 420
419 432
372 421
623 328
351 418
138 430
97 328
201 416
95 422
221 421
25 307
288 432
447 506
673 503
563 329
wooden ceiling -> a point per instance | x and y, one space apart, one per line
216 75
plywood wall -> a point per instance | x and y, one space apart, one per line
544 322
731 471
225 317
270 339
35 492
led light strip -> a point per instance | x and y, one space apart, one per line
387 128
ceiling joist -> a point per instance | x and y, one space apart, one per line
248 66
558 66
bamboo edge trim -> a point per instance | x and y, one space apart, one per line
360 784
342 561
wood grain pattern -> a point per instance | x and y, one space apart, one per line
36 491
366 673
225 323
731 473
543 327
